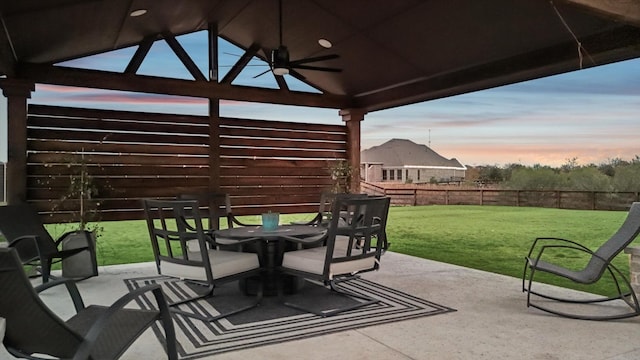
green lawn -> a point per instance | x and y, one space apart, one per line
491 238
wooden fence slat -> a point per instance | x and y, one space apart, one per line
104 160
281 143
74 148
114 137
61 111
266 163
226 122
275 153
110 125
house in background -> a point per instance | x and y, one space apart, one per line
404 161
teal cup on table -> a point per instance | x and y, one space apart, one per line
270 221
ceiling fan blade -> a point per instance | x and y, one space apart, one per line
297 75
252 65
262 73
318 68
314 59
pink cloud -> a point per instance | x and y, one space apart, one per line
530 154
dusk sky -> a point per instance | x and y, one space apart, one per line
591 114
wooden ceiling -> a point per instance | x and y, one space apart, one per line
392 52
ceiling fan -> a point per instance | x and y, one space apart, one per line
280 64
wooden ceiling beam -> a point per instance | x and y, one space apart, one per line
7 52
241 64
282 83
140 55
558 59
624 11
189 64
58 75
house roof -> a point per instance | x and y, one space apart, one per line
391 53
406 153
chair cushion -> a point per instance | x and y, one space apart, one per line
341 244
223 263
312 261
308 260
193 245
226 241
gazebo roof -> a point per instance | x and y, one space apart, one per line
391 53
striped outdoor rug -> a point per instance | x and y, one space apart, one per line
271 322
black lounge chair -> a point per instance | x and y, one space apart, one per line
600 262
181 251
95 332
349 250
22 227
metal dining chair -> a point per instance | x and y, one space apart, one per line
332 263
173 225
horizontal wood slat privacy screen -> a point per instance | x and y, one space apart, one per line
264 165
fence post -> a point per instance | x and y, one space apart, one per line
415 197
558 199
481 197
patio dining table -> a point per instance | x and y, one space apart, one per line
271 256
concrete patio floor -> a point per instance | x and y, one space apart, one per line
492 321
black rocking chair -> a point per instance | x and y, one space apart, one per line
600 262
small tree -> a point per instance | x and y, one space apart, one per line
81 192
341 172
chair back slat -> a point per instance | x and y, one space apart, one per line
213 206
30 325
172 225
627 232
358 219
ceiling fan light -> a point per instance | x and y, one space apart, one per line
280 71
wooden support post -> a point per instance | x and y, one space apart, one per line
214 114
17 92
213 52
634 267
352 119
214 145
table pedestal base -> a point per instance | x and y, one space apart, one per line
290 284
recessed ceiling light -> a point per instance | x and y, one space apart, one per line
138 12
325 43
